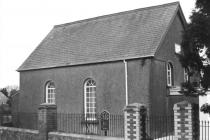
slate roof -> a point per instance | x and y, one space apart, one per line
125 35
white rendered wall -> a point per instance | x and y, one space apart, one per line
204 118
203 100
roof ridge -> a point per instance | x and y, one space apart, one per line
114 14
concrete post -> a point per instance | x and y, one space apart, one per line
47 120
135 122
186 121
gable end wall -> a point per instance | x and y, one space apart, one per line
160 97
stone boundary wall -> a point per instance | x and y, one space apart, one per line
68 136
8 133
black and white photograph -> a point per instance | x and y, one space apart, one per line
104 70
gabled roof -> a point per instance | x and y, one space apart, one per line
125 35
3 98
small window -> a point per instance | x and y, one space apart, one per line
169 74
177 49
90 99
186 76
50 93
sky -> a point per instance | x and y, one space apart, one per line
25 23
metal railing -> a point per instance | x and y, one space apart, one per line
160 127
204 130
157 127
80 124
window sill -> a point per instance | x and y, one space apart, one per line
174 90
90 121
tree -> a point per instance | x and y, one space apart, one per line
9 91
5 92
196 51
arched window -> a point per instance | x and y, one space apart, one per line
90 99
170 74
50 93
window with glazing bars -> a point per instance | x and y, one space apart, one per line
90 99
169 74
50 93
